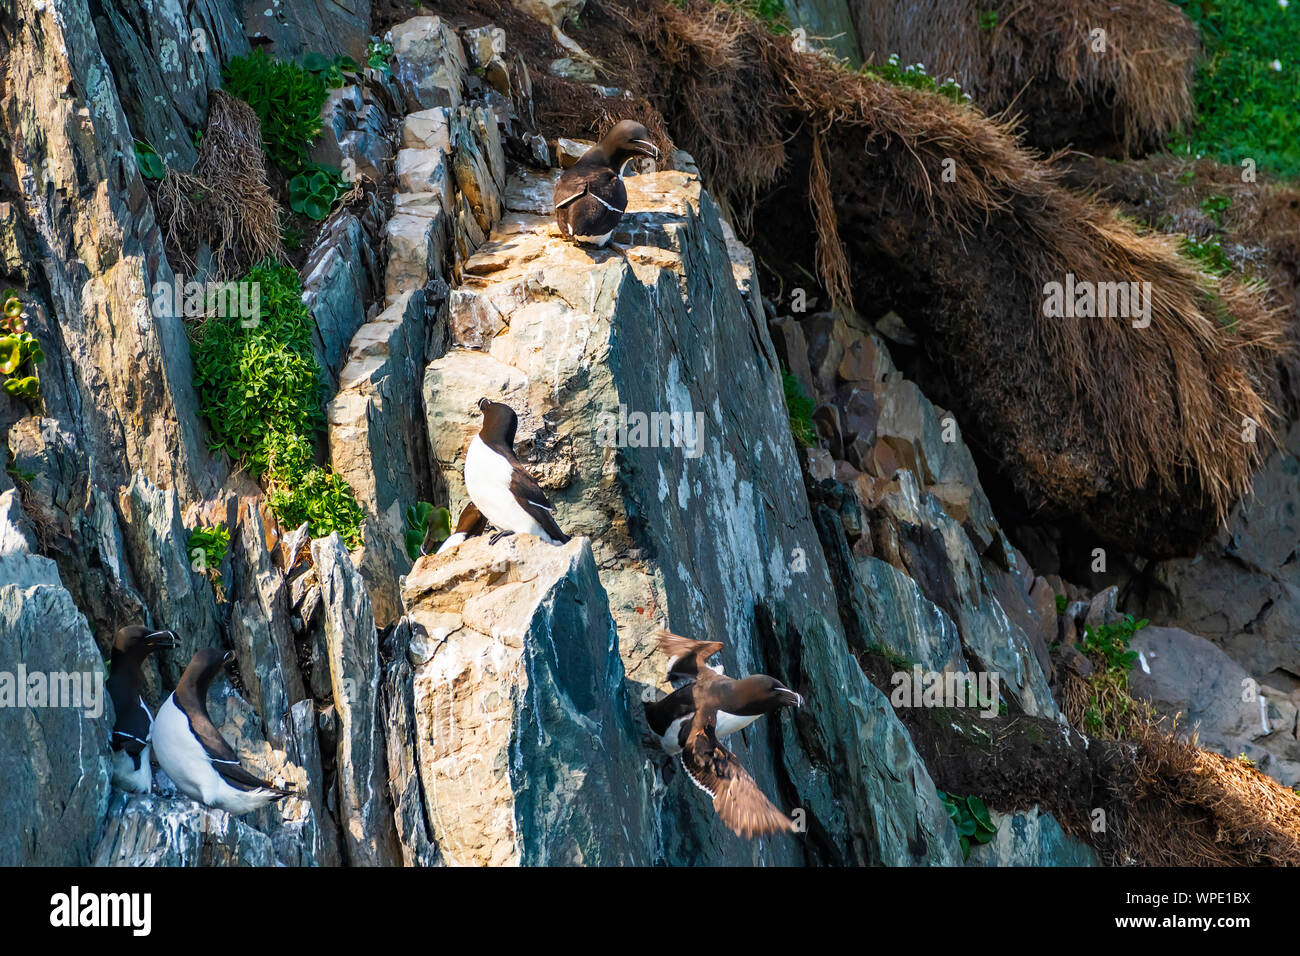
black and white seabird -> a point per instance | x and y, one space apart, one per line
691 720
195 755
471 525
502 489
133 721
590 197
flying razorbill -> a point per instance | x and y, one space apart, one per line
691 720
590 197
507 495
195 755
133 721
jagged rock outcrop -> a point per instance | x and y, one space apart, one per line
527 751
708 528
55 786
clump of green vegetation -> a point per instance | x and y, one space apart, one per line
914 76
314 192
1207 254
800 409
971 817
770 12
331 71
302 491
20 351
207 547
259 389
1245 761
1060 604
1215 207
1110 709
378 53
423 520
1246 84
988 20
150 163
287 100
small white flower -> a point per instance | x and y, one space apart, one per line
1283 4
1277 65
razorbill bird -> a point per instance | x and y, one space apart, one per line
471 525
133 721
590 197
193 752
507 495
691 721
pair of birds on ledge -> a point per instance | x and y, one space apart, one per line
187 744
705 707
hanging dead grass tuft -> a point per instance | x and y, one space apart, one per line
225 204
1088 73
1137 432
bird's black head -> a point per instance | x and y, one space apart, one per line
139 641
627 140
204 666
760 694
499 423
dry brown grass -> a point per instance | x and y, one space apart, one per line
1081 411
226 202
1038 61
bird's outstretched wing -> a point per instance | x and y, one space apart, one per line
687 656
736 797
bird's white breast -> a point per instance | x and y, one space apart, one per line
127 777
190 768
730 723
487 480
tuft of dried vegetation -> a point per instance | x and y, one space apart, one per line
225 204
1129 86
1136 432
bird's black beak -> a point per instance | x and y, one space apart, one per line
789 698
646 148
163 639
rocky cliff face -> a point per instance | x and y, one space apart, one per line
483 706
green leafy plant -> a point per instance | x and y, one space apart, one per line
988 20
314 192
915 77
971 818
1206 254
331 71
302 491
150 163
1246 84
377 54
207 547
421 519
259 390
799 408
1245 761
20 351
287 100
1110 707
1060 604
1215 207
